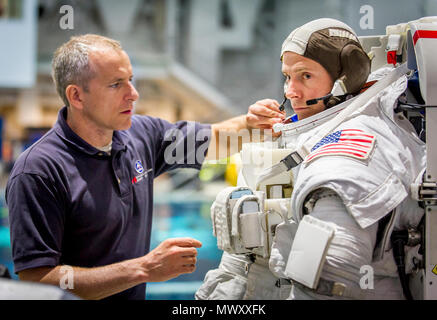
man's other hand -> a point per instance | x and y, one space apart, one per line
171 258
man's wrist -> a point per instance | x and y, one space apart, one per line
136 268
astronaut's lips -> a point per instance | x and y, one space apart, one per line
298 104
299 108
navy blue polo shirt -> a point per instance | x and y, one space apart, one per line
71 204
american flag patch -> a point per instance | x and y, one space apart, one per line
348 142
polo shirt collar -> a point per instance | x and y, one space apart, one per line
68 135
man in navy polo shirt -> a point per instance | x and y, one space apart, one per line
80 199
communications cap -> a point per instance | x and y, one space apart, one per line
336 47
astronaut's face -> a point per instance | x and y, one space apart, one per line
305 79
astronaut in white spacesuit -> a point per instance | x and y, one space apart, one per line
349 193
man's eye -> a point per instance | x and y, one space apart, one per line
115 85
306 76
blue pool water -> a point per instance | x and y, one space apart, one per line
5 241
184 219
5 250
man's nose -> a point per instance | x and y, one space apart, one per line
292 90
133 93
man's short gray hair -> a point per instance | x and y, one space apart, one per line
71 65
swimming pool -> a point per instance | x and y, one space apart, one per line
184 216
5 241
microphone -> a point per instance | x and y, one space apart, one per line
282 106
338 89
314 101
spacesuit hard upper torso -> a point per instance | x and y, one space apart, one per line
357 180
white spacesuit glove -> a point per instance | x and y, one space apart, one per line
228 281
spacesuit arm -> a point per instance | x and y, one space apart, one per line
350 248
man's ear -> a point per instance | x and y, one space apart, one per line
74 95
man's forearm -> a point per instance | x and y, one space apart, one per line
90 283
169 259
227 137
